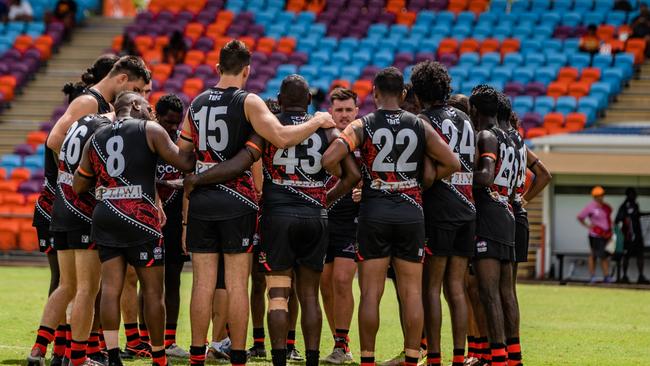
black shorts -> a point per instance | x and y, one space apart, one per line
289 241
172 239
381 240
148 254
522 236
230 236
340 249
598 247
76 239
486 248
457 242
45 240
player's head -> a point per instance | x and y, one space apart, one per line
343 106
483 103
272 105
235 60
73 90
129 74
389 83
146 91
504 109
515 122
630 193
431 83
100 68
598 193
132 104
294 93
410 102
169 113
460 102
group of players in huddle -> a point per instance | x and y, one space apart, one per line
430 188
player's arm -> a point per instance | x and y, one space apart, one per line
85 176
542 176
350 176
228 169
428 172
267 125
185 141
161 144
343 145
487 156
446 162
81 106
258 177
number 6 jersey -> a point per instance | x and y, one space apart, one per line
219 131
72 211
125 168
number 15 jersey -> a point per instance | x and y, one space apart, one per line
219 131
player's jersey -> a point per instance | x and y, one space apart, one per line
125 214
219 131
521 165
392 150
294 180
102 105
73 211
449 203
495 218
342 214
172 199
43 207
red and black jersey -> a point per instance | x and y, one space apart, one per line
219 131
495 217
43 206
294 180
521 165
449 203
172 199
126 213
73 211
392 150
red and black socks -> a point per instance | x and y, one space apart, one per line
342 340
68 342
78 352
410 361
367 361
44 337
472 350
238 357
279 357
499 355
434 359
483 348
459 357
514 352
197 355
144 333
258 338
291 340
59 341
94 348
170 334
132 335
158 358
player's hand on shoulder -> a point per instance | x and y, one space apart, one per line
324 119
189 183
356 195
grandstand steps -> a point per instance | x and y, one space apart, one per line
633 104
35 103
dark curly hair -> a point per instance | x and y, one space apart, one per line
431 82
504 107
169 102
485 99
410 103
460 102
100 68
273 105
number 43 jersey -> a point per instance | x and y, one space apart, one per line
125 214
392 150
219 131
72 211
294 180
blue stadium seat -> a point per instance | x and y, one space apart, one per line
383 58
554 58
543 31
601 91
502 31
529 17
387 44
465 17
362 58
540 5
551 44
317 29
348 44
309 72
544 105
530 45
285 17
523 74
285 70
264 17
467 86
469 59
425 17
502 73
491 59
562 6
330 71
603 5
566 104
571 44
306 17
602 61
496 84
421 30
594 17
616 17
322 83
551 19
513 59
35 29
522 104
399 30
378 28
582 6
340 58
519 6
487 18
482 31
498 6
522 31
279 29
589 106
10 161
351 70
445 17
580 60
455 86
479 73
369 44
572 19
319 58
33 162
328 44
545 75
441 29
535 59
626 61
298 30
40 150
307 44
461 31
459 73
410 44
429 44
15 27
614 77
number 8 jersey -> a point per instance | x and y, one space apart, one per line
219 131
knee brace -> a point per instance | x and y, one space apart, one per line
282 283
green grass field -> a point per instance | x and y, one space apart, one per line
560 325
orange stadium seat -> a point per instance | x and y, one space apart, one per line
8 186
340 83
225 16
215 30
192 87
36 138
286 45
489 45
23 42
295 5
250 42
31 199
568 74
20 174
394 7
153 56
13 198
469 45
447 45
194 30
606 32
265 44
362 88
590 74
536 132
557 89
457 6
406 18
194 57
575 121
553 120
161 72
509 45
637 47
116 45
27 239
212 57
579 89
477 6
316 6
3 173
155 96
616 45
195 6
8 92
8 234
143 43
221 41
160 41
555 130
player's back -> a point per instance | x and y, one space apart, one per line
220 130
125 213
70 210
519 169
450 202
392 152
294 180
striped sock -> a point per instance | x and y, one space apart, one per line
158 358
238 357
78 353
341 339
471 346
410 361
434 359
514 352
170 334
44 336
132 335
499 355
102 342
59 341
459 357
93 344
367 361
423 342
258 337
68 342
197 355
291 340
484 348
144 333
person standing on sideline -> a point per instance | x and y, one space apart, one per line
600 231
629 216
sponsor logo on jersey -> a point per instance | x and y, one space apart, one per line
64 178
118 193
157 253
245 242
202 166
85 239
481 246
42 243
256 239
166 169
393 186
461 179
144 256
298 183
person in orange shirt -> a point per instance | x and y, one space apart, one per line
590 41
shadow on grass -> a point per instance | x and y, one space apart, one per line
13 362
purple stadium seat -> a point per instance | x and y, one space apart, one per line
155 29
215 3
424 56
211 81
38 175
438 5
265 70
173 86
205 18
12 54
246 16
32 53
358 30
256 31
255 86
404 57
204 70
579 31
563 32
386 18
144 17
182 70
23 149
531 119
416 5
535 89
279 57
165 16
30 186
298 58
369 72
46 126
204 44
514 89
448 59
185 99
54 26
185 15
3 68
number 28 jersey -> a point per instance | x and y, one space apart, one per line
521 165
126 213
294 180
219 131
74 211
392 150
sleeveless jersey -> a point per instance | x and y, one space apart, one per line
102 105
219 131
172 199
449 203
392 150
521 164
342 213
294 180
125 214
495 218
73 211
43 206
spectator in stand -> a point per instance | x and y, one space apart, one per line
128 46
20 10
590 42
623 5
629 217
600 231
65 12
641 27
174 52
